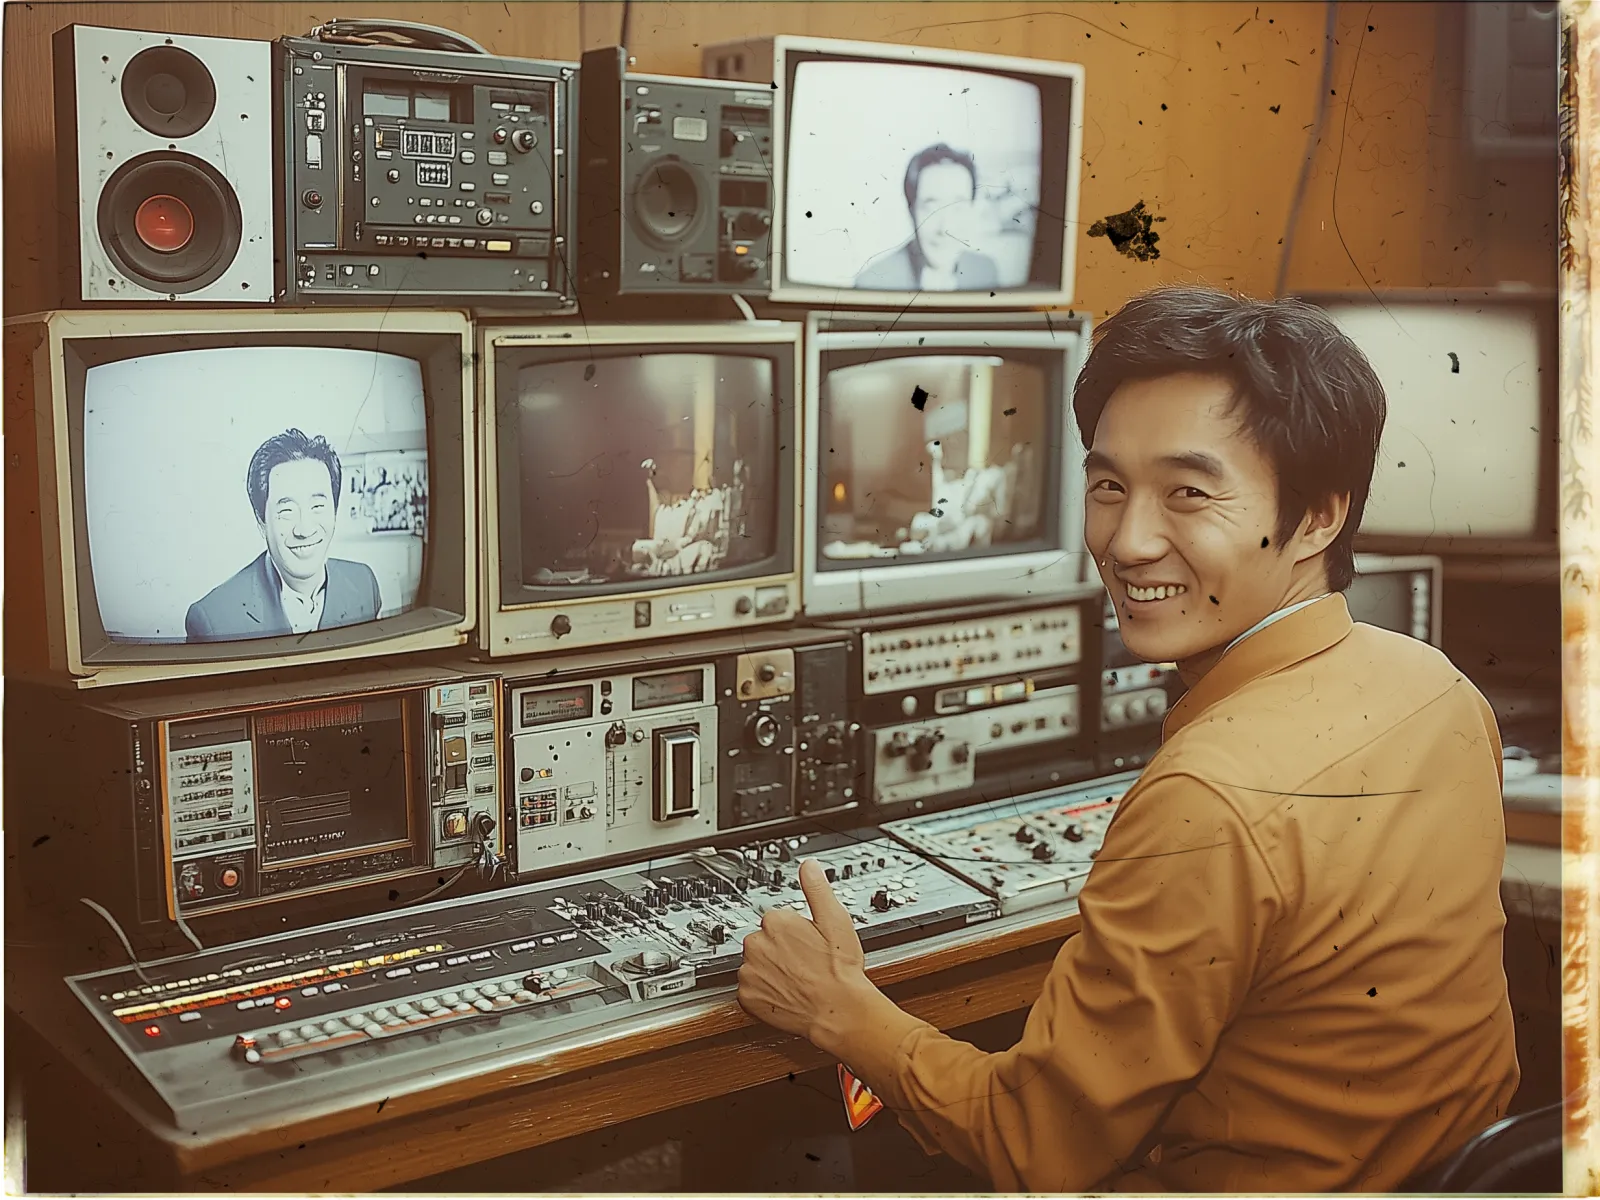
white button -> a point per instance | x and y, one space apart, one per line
252 1056
484 1006
189 1016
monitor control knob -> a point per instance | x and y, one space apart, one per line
484 217
524 140
561 625
764 730
743 605
311 198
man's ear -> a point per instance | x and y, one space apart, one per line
1321 525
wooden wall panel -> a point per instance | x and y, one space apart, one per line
1200 109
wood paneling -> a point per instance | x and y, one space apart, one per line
1200 109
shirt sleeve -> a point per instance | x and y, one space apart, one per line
1174 915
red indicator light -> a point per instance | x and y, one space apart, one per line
152 1031
282 1002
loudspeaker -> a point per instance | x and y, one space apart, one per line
164 148
674 182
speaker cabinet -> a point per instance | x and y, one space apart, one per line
164 147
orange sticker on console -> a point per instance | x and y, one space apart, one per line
860 1105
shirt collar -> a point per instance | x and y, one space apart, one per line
277 580
1288 636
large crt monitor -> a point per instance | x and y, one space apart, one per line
909 175
219 492
942 462
640 481
1403 594
1467 463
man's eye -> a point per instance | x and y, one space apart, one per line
1192 493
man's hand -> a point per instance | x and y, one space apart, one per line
807 977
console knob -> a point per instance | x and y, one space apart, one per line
1043 852
1024 834
312 198
561 625
880 900
484 217
1073 832
743 605
524 140
766 672
499 136
764 730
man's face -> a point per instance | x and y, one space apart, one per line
941 213
300 515
1181 517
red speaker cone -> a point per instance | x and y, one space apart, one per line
164 223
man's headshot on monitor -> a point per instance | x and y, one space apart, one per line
293 485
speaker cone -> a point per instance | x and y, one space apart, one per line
168 91
170 222
667 201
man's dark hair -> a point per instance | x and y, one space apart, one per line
1303 391
288 446
933 155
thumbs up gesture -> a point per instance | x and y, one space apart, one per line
806 977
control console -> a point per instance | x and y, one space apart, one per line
281 1026
615 765
424 176
981 705
1024 853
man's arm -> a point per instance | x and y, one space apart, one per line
1174 915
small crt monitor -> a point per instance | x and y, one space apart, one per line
912 176
1402 594
223 493
1468 459
640 482
942 462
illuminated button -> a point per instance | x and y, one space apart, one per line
152 1031
229 878
282 1002
496 245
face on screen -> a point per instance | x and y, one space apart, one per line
298 528
943 213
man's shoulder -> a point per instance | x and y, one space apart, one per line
246 582
888 272
350 571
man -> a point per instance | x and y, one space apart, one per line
941 185
1289 973
292 586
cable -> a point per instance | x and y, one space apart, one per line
744 307
371 31
188 933
627 12
1311 146
445 886
121 937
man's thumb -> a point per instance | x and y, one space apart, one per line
827 914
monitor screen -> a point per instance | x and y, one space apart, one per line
1467 438
928 457
1383 600
239 493
904 178
912 176
629 468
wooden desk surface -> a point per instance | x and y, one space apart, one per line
712 1049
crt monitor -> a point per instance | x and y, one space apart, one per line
942 462
1467 463
916 176
1404 594
224 492
641 481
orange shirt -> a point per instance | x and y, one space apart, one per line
1289 975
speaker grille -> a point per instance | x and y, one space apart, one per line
168 91
668 205
170 221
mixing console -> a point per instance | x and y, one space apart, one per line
1024 853
291 1023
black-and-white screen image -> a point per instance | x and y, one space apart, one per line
947 455
907 178
643 467
254 492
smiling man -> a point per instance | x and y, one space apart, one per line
293 586
1289 973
